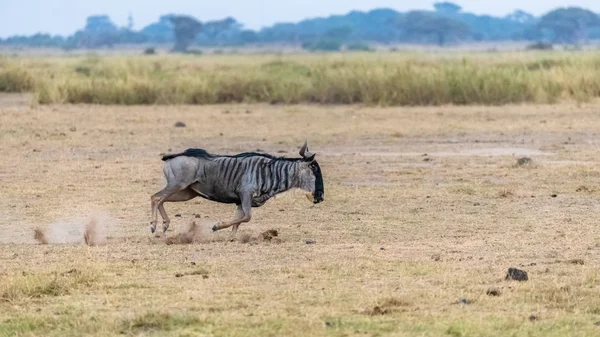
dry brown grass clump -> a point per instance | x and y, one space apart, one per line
379 79
386 306
27 285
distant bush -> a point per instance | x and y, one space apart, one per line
15 80
194 52
322 45
149 51
359 46
540 46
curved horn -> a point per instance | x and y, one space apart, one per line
305 153
303 149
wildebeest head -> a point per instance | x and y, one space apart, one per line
311 179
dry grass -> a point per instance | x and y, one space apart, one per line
396 246
388 79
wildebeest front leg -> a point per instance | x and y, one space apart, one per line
241 216
239 212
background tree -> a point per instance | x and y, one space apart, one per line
447 7
568 24
220 32
185 29
520 16
161 31
99 31
425 24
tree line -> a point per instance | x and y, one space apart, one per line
445 24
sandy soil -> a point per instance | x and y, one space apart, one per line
425 208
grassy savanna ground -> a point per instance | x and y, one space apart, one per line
388 79
400 238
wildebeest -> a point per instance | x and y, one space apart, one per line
247 179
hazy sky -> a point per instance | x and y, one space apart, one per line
66 16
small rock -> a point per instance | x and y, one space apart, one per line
464 301
554 195
476 204
178 215
427 159
179 275
197 216
193 263
381 248
310 242
180 125
516 274
533 318
493 291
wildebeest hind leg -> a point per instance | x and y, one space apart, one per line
157 200
184 195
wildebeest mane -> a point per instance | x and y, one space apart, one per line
201 153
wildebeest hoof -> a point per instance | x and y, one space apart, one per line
214 229
152 229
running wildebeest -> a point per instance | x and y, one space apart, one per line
247 179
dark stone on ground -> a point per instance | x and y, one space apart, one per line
516 274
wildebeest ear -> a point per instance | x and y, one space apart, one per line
311 158
305 153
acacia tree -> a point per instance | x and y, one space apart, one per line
185 29
420 23
568 24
